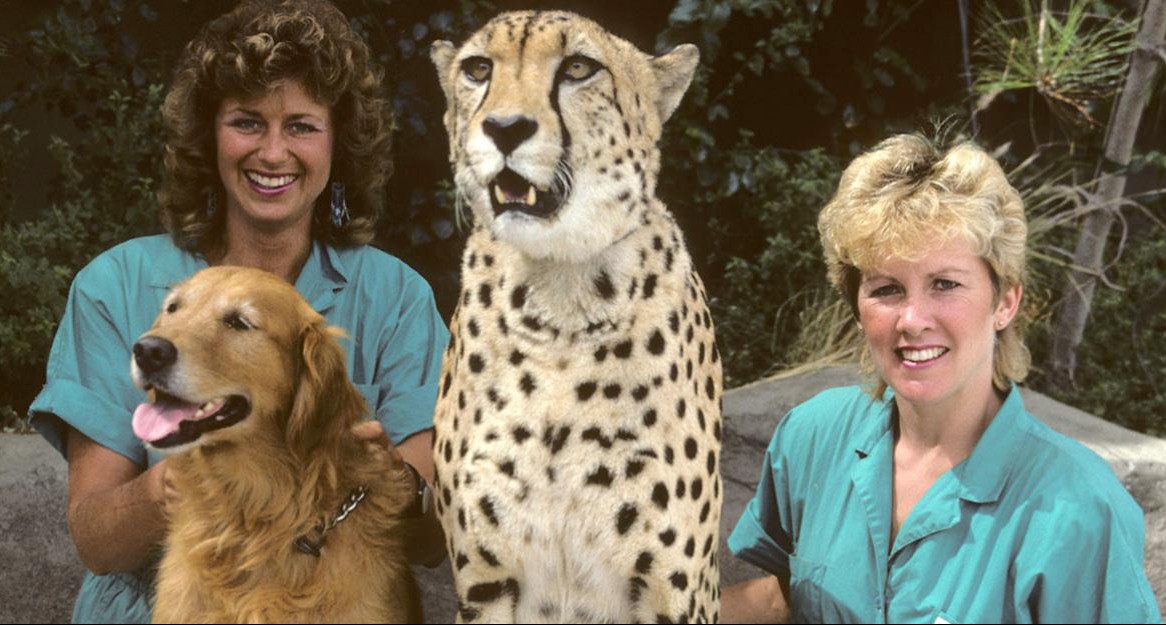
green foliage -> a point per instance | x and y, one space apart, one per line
1075 59
1121 373
750 209
101 191
759 305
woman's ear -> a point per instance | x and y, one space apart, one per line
1007 306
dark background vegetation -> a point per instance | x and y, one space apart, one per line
787 93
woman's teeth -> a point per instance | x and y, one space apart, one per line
270 182
922 355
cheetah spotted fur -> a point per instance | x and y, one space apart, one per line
578 426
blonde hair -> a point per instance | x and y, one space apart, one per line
245 53
906 195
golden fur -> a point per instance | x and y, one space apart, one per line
246 492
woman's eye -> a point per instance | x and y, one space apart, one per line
245 124
945 285
885 291
302 128
477 68
578 67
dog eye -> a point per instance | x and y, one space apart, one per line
235 321
172 307
477 68
578 67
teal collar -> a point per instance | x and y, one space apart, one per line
322 277
983 474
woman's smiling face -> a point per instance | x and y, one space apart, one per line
274 156
931 323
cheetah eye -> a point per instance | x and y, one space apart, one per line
477 68
578 67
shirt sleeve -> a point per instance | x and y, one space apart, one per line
409 362
88 384
762 535
1086 565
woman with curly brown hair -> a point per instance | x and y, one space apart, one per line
277 154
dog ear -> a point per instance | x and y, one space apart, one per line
326 404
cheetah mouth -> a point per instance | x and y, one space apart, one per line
511 192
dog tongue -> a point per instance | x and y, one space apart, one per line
155 421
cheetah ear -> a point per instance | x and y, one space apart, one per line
442 53
674 72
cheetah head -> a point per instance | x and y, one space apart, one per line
553 126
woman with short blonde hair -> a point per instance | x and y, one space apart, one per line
934 496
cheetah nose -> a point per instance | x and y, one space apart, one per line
509 132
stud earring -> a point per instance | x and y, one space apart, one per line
340 216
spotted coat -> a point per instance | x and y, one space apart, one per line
578 424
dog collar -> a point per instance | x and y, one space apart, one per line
310 547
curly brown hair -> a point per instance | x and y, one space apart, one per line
244 53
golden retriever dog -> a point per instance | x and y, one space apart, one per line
251 397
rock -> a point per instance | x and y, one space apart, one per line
41 572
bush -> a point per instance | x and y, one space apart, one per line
100 192
1120 365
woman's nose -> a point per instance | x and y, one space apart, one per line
914 315
273 148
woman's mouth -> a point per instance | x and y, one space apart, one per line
269 184
919 357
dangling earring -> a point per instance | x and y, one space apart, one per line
340 216
210 204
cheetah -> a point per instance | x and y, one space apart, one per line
578 425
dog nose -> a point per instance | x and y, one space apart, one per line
153 353
509 132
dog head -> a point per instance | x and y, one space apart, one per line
237 353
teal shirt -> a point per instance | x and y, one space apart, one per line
1031 528
394 347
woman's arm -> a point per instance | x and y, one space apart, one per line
417 450
116 510
762 600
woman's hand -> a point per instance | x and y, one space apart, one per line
417 451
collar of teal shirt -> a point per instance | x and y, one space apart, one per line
322 277
980 478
